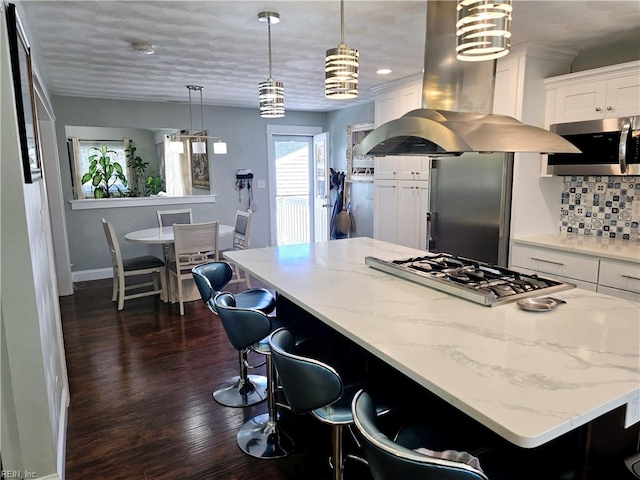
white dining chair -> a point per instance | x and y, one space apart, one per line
133 266
241 234
194 244
166 218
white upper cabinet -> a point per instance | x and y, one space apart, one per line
386 107
607 92
409 97
391 103
396 99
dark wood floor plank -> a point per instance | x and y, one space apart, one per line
141 383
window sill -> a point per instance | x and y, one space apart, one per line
93 203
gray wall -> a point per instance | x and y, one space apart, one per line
611 54
32 373
361 193
242 129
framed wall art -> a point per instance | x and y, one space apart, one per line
199 165
22 75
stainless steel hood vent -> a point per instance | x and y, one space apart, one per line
457 100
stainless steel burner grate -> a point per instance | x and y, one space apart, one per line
470 279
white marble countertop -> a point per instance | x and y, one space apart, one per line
604 247
530 377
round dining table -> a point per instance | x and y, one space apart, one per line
165 234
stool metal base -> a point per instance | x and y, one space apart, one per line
263 438
237 393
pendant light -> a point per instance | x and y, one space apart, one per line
482 29
270 93
341 68
198 146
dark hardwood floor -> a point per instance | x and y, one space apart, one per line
141 384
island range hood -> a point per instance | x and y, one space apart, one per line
457 100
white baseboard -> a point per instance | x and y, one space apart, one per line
62 432
53 476
88 275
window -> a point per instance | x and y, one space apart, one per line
83 150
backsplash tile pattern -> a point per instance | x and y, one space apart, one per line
601 206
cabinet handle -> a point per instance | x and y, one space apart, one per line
630 276
547 261
609 108
598 109
622 147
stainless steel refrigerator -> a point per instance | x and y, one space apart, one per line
470 206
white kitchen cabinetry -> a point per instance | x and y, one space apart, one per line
400 212
619 279
607 92
413 198
395 100
385 208
402 168
555 262
401 187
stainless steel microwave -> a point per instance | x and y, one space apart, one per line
609 147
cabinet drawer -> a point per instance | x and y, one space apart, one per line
578 283
616 292
555 262
622 275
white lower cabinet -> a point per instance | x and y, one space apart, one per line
615 278
592 287
555 262
619 279
385 208
400 212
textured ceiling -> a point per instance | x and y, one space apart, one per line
83 48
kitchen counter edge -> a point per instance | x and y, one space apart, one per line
611 248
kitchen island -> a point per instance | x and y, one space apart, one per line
529 377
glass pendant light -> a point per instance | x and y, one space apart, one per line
270 93
341 68
482 29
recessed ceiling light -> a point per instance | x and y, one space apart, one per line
143 48
383 71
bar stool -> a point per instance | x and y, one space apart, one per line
261 436
398 459
241 390
311 386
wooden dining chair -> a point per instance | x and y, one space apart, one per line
194 244
133 266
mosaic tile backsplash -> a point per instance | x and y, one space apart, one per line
601 206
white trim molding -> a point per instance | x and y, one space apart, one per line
95 203
62 432
88 275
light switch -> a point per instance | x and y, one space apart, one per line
261 184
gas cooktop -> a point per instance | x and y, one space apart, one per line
470 279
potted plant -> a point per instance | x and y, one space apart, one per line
155 184
138 167
103 173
